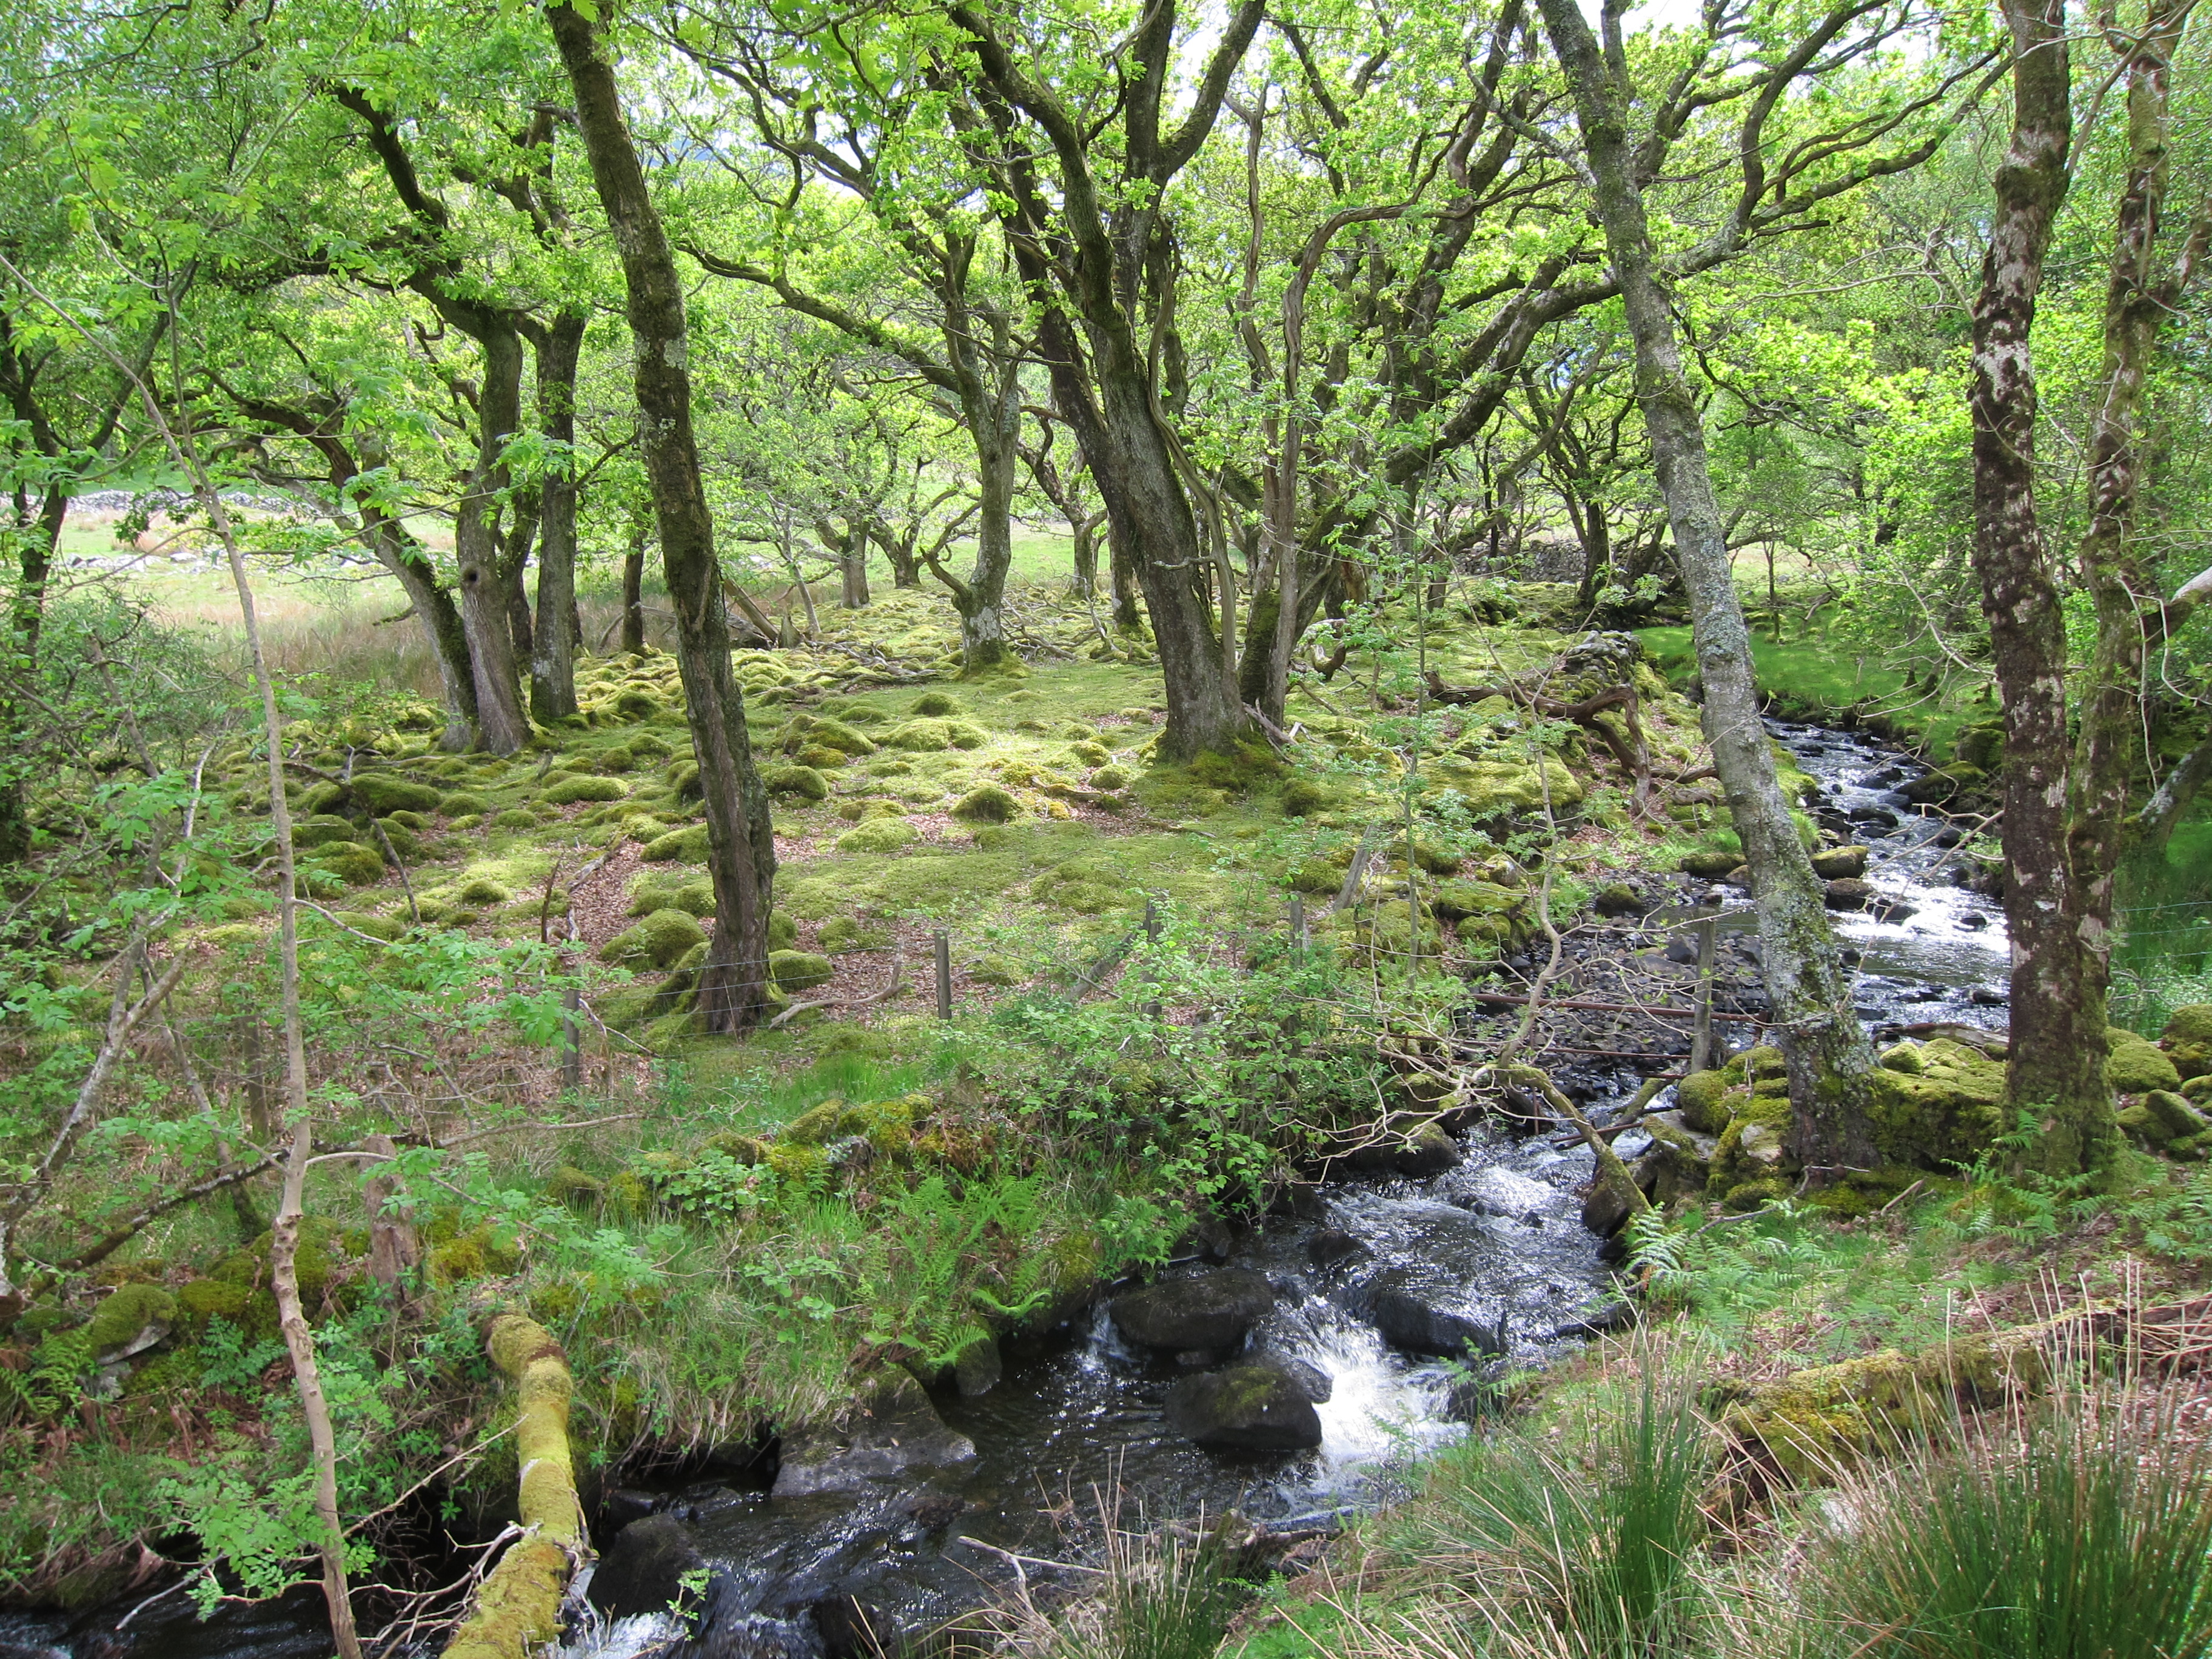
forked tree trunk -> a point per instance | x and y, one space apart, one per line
1809 993
553 649
741 850
2056 1067
501 724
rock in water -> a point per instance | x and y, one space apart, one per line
644 1568
894 1429
1416 1313
1212 1310
1260 1407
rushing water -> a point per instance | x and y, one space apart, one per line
1377 1278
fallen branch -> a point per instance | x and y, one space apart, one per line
518 1609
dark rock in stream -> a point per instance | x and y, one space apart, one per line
1211 1310
1415 1312
1264 1406
643 1570
1847 893
893 1429
978 1367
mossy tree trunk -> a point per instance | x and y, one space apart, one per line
633 578
1808 992
553 641
2059 1050
741 849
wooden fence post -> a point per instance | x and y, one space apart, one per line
944 974
1701 1034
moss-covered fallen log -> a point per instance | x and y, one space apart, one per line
518 1609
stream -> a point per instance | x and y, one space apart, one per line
1374 1283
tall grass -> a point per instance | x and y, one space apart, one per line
1591 1545
2082 1529
1158 1595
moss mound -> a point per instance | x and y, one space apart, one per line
2187 1039
932 704
461 804
660 940
382 793
128 1311
2136 1065
985 803
798 970
801 783
877 835
1946 1113
1706 1103
584 786
351 862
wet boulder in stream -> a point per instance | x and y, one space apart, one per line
893 1429
1266 1405
1210 1311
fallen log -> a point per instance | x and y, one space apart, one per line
517 1610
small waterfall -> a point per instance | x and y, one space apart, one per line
633 1638
1382 1411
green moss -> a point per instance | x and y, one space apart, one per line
638 704
660 941
462 804
1750 1147
783 932
481 892
584 786
1705 1103
934 704
841 933
798 970
800 782
351 862
921 736
1111 780
323 830
2187 1039
878 835
476 1254
1945 1113
1453 900
573 1187
992 970
382 793
816 1124
127 1310
388 928
695 897
985 803
2136 1065
516 818
688 845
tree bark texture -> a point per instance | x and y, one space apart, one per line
1808 992
501 723
553 648
2056 1067
741 849
632 580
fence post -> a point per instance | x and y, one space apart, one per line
1701 1034
572 1047
944 952
1298 940
1152 936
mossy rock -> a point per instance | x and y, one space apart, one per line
820 758
2162 1117
462 804
660 940
1904 1057
1499 789
323 830
584 786
617 757
571 1186
635 703
921 736
125 1313
390 929
825 733
985 803
935 705
481 892
841 933
992 970
2187 1039
476 1254
382 793
1317 876
799 782
1751 1146
1457 900
644 746
695 897
2135 1065
816 1124
798 970
206 1299
1090 755
1238 771
1947 1113
1707 1102
688 845
515 817
878 835
1430 856
248 1265
355 865
1708 864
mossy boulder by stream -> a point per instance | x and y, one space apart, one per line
2187 1040
2135 1065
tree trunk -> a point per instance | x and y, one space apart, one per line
26 611
553 648
632 580
2172 798
511 561
899 553
439 618
741 850
485 614
1809 993
2057 1066
1082 583
982 607
853 570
